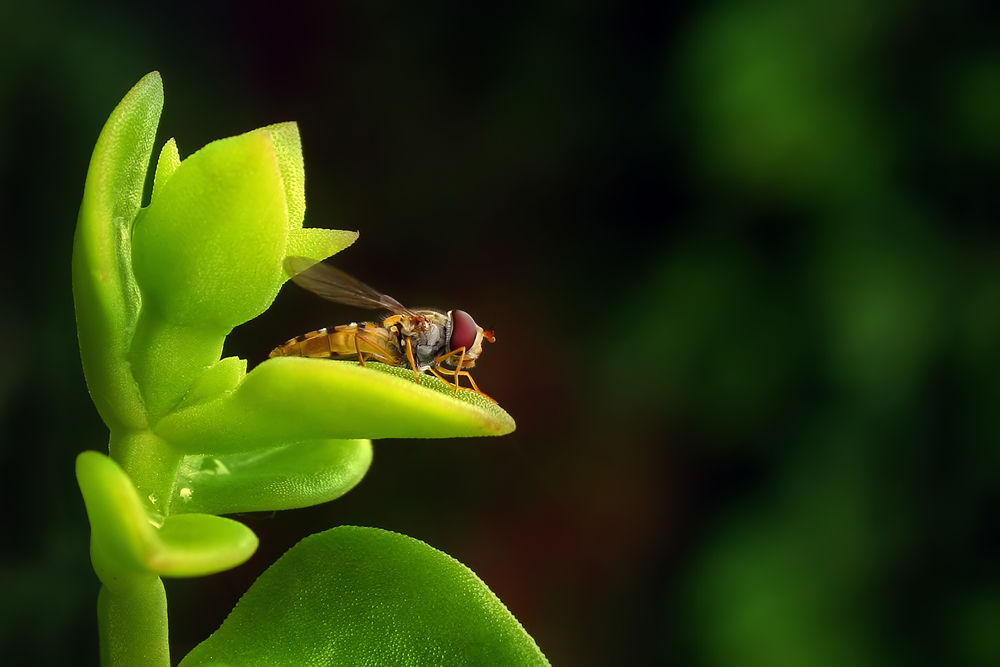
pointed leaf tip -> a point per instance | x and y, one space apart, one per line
293 399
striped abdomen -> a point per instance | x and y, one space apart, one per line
345 341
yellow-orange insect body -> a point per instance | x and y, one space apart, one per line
423 340
374 343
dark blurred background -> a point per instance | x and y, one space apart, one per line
742 259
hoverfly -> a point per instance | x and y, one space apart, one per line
442 344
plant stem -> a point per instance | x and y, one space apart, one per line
151 463
132 623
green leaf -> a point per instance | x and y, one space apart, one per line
288 149
104 291
166 165
169 360
121 525
193 545
363 596
298 475
129 541
208 251
219 378
292 399
318 243
207 255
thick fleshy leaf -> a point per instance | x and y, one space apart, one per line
292 399
219 378
130 541
104 291
207 255
121 526
288 148
166 165
300 475
169 360
363 596
193 545
318 243
207 252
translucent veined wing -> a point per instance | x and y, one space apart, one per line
333 284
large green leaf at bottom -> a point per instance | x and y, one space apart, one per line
364 596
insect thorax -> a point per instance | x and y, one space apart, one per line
428 336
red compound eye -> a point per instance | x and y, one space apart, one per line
463 330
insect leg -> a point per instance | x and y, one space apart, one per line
458 374
380 353
438 375
461 360
413 362
475 387
357 347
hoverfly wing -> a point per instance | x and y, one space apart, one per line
335 285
